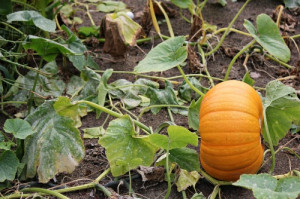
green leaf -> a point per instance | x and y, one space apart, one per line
5 7
187 179
292 3
111 6
19 128
183 3
222 2
264 186
8 165
34 16
248 80
268 36
55 147
95 132
164 56
124 149
103 89
193 114
88 31
198 196
75 44
282 107
178 137
185 92
46 48
45 86
186 158
64 107
5 145
161 96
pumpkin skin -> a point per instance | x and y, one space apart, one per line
230 122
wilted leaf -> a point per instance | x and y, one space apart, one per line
46 48
282 107
19 128
268 36
8 165
55 147
152 173
64 107
34 16
119 30
124 149
186 179
164 56
267 187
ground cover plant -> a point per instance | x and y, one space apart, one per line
122 99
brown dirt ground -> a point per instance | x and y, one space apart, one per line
95 162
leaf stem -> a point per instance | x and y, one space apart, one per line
13 102
167 19
212 180
278 61
236 56
46 191
269 141
33 88
205 64
228 29
189 83
160 105
102 175
215 192
168 173
113 113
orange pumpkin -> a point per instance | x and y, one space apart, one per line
230 122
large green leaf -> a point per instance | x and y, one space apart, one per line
8 165
185 92
268 36
186 158
264 186
164 56
34 16
46 48
124 149
18 127
64 107
55 147
282 107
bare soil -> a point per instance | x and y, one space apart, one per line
265 70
